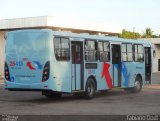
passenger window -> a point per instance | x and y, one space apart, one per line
138 53
90 50
104 51
124 52
127 52
61 48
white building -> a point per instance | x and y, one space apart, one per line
55 23
63 24
156 45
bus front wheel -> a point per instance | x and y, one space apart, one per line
90 89
138 85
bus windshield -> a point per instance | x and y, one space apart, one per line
29 43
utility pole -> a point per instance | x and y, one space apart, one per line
133 32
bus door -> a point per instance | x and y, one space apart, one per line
116 64
148 65
77 65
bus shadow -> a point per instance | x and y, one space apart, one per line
71 98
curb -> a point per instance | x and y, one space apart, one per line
152 86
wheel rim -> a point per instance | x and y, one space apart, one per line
137 85
90 89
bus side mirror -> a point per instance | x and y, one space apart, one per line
5 36
154 53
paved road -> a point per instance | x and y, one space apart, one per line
114 102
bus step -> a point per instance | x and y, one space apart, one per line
77 91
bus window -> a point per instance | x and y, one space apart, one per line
90 50
138 53
28 47
124 52
104 51
127 52
61 48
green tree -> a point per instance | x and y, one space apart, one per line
129 35
148 33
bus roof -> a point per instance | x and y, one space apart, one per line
83 36
98 37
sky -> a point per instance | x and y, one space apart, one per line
121 14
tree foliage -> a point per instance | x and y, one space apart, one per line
135 35
148 33
129 34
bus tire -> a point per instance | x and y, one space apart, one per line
138 85
90 89
51 94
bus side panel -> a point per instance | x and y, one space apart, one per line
140 69
89 73
61 76
129 73
102 75
104 72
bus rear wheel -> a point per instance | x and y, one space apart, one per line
90 89
51 94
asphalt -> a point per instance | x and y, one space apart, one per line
114 102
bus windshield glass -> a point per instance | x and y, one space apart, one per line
26 43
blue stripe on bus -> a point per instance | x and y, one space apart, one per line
125 74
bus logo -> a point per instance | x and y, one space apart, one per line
34 65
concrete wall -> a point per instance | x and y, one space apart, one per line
2 51
155 63
156 44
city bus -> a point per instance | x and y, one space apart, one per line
57 62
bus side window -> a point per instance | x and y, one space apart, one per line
104 51
138 53
127 52
90 50
61 48
124 52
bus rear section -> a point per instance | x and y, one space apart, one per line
27 63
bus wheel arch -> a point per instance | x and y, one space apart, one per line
90 87
95 81
139 77
138 84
